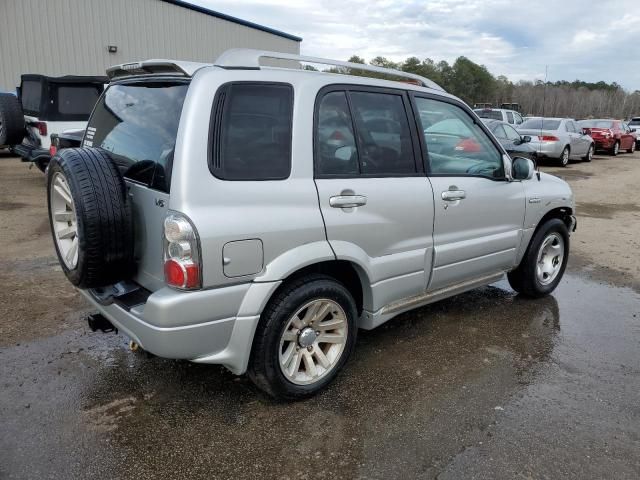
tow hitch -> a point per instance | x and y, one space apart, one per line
97 322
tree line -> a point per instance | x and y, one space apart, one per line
473 83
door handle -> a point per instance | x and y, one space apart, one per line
453 195
347 201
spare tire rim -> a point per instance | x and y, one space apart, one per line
313 341
550 258
64 221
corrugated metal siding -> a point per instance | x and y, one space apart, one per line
70 37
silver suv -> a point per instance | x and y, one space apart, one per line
257 217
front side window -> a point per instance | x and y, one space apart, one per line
509 117
383 134
138 124
252 131
517 118
499 131
457 145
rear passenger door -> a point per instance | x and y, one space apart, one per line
374 196
479 214
578 143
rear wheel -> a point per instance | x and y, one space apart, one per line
12 128
615 149
632 148
589 156
304 338
544 262
564 157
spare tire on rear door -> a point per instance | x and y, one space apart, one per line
90 217
12 127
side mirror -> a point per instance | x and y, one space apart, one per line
523 168
526 138
344 153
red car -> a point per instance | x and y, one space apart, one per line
610 135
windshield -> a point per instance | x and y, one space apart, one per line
540 124
493 114
138 124
635 121
596 123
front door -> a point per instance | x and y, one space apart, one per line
375 199
479 214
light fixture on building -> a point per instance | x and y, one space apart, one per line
112 48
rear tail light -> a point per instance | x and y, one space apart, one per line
182 266
42 128
53 150
548 138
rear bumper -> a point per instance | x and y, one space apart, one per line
604 143
547 149
185 325
30 153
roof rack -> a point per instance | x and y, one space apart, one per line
238 58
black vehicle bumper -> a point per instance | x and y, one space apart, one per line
31 153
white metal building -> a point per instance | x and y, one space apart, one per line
84 37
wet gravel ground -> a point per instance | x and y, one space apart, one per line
483 385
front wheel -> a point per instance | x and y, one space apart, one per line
589 156
564 157
544 262
305 336
615 150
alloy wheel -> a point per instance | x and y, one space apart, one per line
313 341
64 221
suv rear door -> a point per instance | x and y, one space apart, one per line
479 214
376 202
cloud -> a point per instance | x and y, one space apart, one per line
587 40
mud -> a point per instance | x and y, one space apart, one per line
484 385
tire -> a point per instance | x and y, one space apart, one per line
99 212
632 148
526 279
271 347
615 149
564 156
589 156
12 127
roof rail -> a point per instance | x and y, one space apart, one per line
250 58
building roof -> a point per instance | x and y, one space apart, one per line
229 18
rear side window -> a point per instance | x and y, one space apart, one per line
251 131
138 123
336 151
77 100
30 95
384 137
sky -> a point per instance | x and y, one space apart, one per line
590 40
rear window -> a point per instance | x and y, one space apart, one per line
30 95
138 124
77 100
251 131
492 114
540 124
596 124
